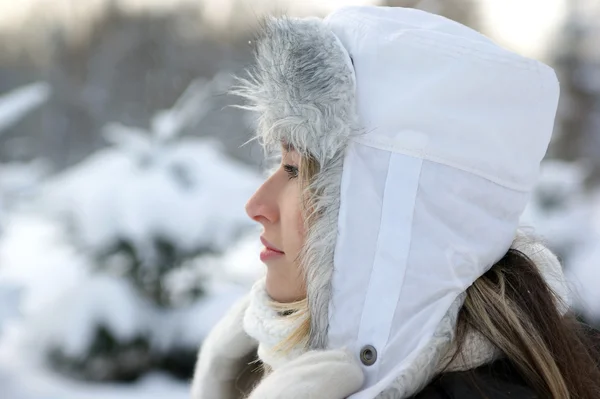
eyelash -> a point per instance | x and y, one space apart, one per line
292 171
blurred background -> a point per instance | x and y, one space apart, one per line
124 172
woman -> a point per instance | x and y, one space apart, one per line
409 145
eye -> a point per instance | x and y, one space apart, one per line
291 170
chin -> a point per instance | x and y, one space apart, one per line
283 291
275 289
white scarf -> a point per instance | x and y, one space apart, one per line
270 328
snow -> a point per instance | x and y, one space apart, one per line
35 255
583 270
187 327
61 278
21 178
560 209
23 380
181 197
9 302
96 300
19 102
63 299
109 197
240 264
152 185
567 216
183 191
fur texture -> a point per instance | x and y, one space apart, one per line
223 356
332 374
302 88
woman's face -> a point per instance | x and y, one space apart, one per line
277 206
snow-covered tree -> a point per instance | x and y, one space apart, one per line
138 231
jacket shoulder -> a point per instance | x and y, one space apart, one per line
498 380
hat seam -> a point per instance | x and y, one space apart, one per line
399 149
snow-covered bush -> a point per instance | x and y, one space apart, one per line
124 268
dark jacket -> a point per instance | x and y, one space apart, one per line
498 380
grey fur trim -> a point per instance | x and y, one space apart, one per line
302 88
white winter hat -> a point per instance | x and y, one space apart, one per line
429 138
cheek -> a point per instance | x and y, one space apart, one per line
300 226
295 227
295 233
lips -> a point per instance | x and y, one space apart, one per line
269 246
269 252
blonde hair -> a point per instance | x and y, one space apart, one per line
296 312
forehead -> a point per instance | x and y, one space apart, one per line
287 147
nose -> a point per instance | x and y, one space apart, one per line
262 207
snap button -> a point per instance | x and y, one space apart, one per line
368 355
